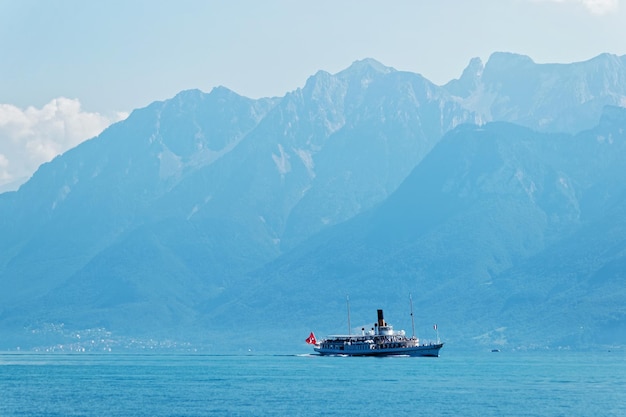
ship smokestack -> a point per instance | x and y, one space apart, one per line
381 320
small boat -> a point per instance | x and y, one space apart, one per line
382 340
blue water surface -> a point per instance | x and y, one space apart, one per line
481 384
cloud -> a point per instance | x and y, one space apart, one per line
601 6
33 136
598 7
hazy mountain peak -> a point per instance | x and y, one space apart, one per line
607 57
367 65
221 91
501 62
497 57
194 94
319 79
474 69
469 79
607 67
190 94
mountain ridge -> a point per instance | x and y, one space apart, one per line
210 212
416 262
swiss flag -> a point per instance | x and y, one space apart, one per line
311 339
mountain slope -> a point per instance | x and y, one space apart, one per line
211 212
187 195
497 231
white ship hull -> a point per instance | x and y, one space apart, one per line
381 350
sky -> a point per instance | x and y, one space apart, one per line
70 68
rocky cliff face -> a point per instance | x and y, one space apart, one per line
547 97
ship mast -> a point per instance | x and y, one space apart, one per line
412 318
348 305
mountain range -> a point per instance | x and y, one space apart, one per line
495 200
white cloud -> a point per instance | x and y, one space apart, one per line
601 6
598 7
33 136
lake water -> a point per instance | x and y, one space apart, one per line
482 384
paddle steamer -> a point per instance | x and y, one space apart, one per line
382 340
